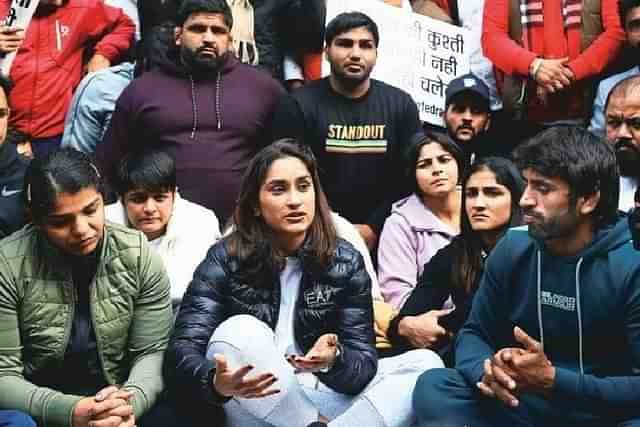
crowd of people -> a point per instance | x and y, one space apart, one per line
197 228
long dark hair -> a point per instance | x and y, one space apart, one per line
252 241
468 260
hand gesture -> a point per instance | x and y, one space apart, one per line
499 380
321 356
110 407
10 38
97 63
108 417
534 370
235 383
516 370
554 75
423 331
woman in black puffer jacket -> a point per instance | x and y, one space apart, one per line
279 315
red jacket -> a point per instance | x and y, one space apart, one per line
48 66
551 41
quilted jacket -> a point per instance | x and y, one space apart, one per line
130 309
334 300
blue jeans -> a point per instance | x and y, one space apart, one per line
15 419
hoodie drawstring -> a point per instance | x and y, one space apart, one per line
194 104
579 314
578 308
218 97
194 108
539 286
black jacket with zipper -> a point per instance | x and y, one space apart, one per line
214 295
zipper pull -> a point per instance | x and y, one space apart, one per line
58 36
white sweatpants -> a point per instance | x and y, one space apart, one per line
243 340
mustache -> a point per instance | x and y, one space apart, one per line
203 48
625 143
468 127
533 214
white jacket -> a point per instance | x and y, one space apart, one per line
191 231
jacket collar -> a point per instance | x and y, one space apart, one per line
419 216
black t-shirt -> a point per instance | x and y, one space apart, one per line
359 143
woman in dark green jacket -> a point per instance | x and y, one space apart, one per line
85 312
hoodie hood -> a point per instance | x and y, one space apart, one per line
604 240
166 55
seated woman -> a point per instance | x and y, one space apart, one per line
423 222
277 324
84 306
180 231
492 189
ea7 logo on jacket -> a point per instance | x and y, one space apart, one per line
319 297
558 301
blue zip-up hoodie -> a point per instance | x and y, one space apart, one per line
585 309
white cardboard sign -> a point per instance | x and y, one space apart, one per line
19 16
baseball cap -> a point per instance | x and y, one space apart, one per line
468 82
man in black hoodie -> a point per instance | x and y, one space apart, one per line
12 169
200 104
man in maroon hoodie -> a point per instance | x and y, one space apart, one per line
201 105
48 66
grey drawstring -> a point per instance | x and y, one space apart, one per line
194 108
578 308
540 300
194 104
218 96
579 314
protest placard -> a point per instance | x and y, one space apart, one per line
19 16
417 54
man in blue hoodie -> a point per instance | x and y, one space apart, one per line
553 337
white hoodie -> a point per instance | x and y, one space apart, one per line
191 231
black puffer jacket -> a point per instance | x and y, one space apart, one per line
345 308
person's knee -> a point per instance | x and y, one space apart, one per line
242 330
16 419
241 334
630 423
428 394
423 359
